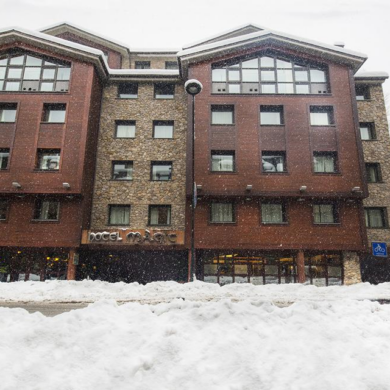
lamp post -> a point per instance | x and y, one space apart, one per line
193 87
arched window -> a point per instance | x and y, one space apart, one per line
27 73
269 74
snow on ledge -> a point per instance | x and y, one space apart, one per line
371 75
144 72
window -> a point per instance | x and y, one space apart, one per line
222 161
171 65
373 173
27 73
273 162
162 129
325 162
325 213
142 64
46 210
3 209
159 215
222 212
376 217
119 215
7 112
271 115
362 92
54 113
125 129
321 116
164 91
273 213
48 159
161 170
367 131
269 74
222 115
128 90
122 170
4 158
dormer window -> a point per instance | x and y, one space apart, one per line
26 73
269 74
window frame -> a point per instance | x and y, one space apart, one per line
162 86
335 212
234 213
384 217
321 109
8 107
48 107
333 154
223 153
41 201
7 207
3 150
272 108
160 206
371 130
378 172
39 156
222 108
170 66
111 206
129 95
163 123
283 210
124 123
366 92
114 162
160 163
270 153
142 65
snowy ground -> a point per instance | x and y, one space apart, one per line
216 338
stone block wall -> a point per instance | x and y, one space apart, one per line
156 61
141 191
377 151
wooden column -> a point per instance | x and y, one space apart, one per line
301 267
71 272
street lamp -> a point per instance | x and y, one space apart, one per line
193 87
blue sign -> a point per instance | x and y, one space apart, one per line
379 249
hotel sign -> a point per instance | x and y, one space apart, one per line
133 237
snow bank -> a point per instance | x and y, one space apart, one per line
183 345
91 291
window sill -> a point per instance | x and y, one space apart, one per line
224 172
164 98
117 225
329 125
378 228
127 98
121 181
52 123
275 223
222 124
6 123
369 140
45 221
160 181
271 125
159 226
327 224
375 182
274 173
327 173
124 137
223 223
46 171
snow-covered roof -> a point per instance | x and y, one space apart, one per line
145 72
242 28
371 75
71 26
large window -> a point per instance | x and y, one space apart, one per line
54 113
125 129
273 213
273 162
325 213
164 91
373 171
162 129
222 161
161 170
46 210
142 64
4 158
171 65
376 217
367 131
3 209
48 159
324 270
271 115
159 215
222 212
325 162
321 116
362 92
122 170
119 215
8 112
128 90
269 74
222 115
27 73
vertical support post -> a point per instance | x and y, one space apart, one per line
301 267
193 259
71 271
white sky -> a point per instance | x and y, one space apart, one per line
363 25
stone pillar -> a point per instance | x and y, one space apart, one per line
301 267
351 264
71 272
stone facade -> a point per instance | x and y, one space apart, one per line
351 265
141 191
377 151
